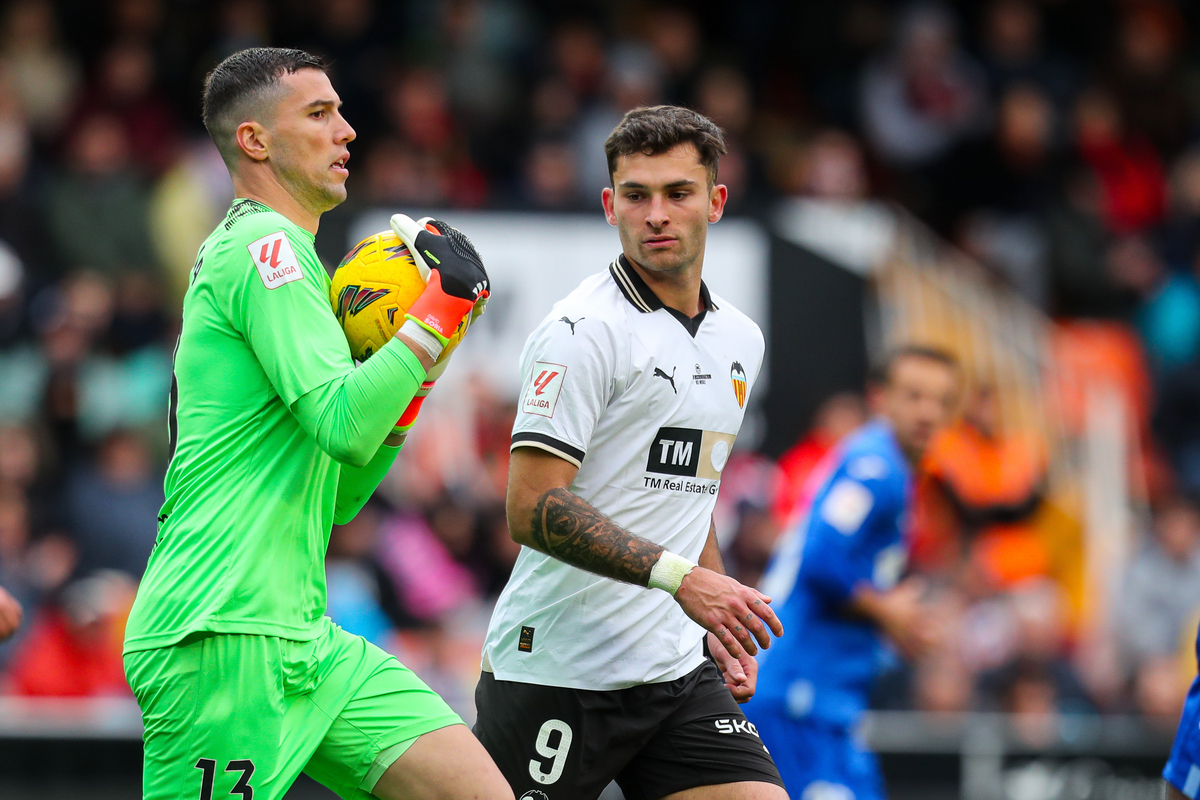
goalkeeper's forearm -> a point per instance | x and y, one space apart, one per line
357 484
350 416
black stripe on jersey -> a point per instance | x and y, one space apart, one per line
548 443
643 298
621 275
243 208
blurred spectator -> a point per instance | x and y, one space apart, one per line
981 488
837 416
1160 591
1179 237
549 180
674 35
1037 679
22 224
74 646
124 87
185 205
753 543
723 94
1146 73
942 684
632 78
114 505
1168 318
417 108
1176 424
1125 162
997 189
1014 52
362 597
96 206
925 95
42 72
1081 285
431 583
1159 688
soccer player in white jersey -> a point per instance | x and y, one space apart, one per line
635 385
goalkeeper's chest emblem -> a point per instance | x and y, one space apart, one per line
275 260
353 299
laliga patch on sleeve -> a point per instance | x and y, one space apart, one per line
275 260
847 505
545 382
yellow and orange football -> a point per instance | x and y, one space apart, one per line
372 288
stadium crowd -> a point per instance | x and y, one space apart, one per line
1058 143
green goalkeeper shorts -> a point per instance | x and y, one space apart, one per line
243 715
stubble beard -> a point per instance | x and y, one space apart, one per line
664 264
315 195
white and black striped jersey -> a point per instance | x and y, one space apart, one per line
647 403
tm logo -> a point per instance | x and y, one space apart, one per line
353 299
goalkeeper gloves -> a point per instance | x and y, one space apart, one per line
456 281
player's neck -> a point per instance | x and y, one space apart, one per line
262 186
678 290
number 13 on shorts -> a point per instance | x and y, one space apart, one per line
556 752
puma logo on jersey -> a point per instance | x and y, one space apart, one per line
572 324
658 373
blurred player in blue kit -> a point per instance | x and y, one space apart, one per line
835 581
1182 772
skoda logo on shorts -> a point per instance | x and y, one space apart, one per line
534 794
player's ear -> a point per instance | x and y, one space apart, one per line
716 201
606 200
254 140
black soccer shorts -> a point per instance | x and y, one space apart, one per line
553 743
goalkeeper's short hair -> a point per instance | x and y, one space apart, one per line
243 87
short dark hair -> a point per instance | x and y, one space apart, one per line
882 370
237 87
656 129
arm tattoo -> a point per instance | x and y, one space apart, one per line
568 528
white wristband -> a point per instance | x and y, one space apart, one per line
422 336
668 572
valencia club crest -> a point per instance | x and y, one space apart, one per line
738 376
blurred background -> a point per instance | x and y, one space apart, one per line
1016 180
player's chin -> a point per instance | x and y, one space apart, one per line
662 261
334 194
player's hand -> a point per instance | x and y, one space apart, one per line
456 279
10 615
736 615
740 674
908 620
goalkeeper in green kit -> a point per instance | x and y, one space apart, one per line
275 435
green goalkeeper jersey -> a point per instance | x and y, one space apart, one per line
249 493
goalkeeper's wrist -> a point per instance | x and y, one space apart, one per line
669 571
424 336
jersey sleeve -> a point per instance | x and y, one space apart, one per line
281 305
569 376
847 541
